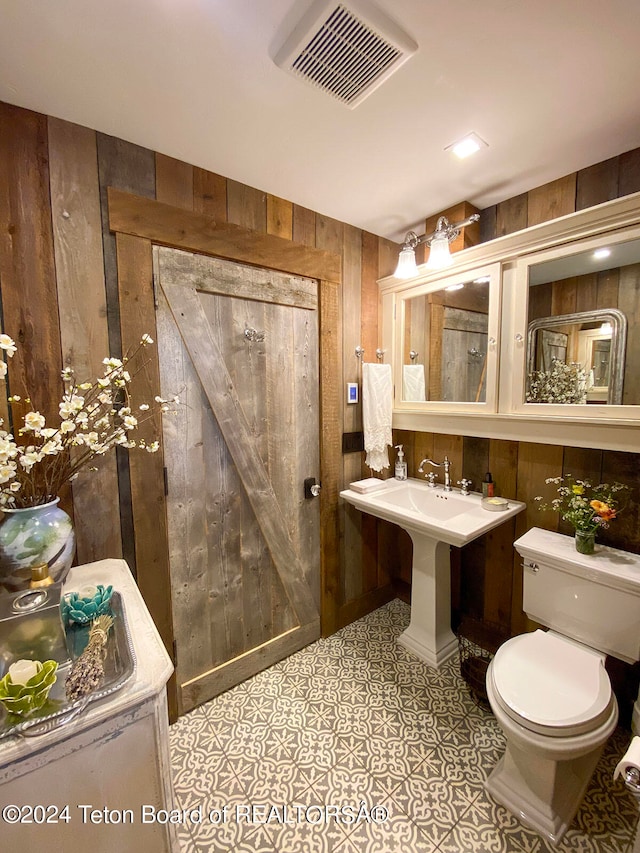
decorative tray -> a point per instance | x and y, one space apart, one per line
119 666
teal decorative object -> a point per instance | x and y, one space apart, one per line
81 608
32 536
23 698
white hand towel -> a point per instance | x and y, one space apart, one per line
413 382
377 405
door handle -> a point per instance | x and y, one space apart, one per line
311 488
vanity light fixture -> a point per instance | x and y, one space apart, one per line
438 242
407 266
439 254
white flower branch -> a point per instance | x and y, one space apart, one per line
94 417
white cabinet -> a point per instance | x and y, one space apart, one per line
473 345
110 766
446 342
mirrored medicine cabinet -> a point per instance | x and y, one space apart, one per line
448 336
534 336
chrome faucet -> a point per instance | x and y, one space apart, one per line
446 464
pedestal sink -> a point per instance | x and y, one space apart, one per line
435 520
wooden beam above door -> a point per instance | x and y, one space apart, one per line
198 232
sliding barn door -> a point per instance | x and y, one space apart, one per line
239 345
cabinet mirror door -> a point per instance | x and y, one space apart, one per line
583 306
448 335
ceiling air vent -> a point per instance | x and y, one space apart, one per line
345 49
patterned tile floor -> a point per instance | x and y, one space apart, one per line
399 750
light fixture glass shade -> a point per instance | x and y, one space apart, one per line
439 254
407 266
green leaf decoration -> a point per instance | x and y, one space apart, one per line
23 699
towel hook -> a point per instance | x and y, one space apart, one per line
413 355
380 354
359 351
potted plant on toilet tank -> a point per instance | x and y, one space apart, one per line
586 507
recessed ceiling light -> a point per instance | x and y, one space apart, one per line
600 254
466 146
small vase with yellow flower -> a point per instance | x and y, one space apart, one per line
587 507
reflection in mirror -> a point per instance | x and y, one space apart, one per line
445 344
579 308
577 358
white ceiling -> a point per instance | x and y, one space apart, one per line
552 86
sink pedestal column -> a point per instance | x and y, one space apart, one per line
429 635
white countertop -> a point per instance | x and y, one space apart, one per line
153 665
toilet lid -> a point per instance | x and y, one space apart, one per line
551 682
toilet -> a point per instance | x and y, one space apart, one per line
549 689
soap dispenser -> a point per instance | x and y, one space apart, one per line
401 465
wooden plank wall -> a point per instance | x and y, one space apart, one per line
72 293
82 305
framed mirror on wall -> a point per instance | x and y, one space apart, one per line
577 358
447 344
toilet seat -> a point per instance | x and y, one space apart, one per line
551 685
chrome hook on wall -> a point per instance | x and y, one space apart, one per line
380 354
359 351
413 354
253 335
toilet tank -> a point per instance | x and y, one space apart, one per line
594 599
